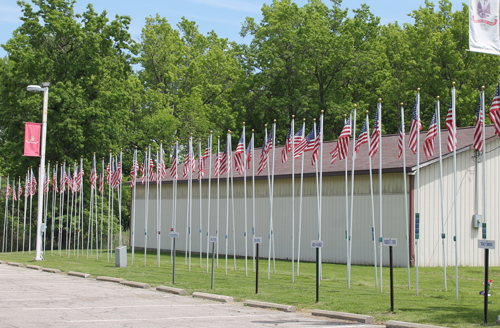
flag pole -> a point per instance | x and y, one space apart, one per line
81 198
301 192
161 176
119 194
25 201
91 213
321 137
438 120
418 179
230 150
368 139
102 201
5 221
158 200
147 168
253 194
61 209
227 191
209 192
77 211
245 200
353 122
380 239
18 210
405 190
347 214
31 206
188 159
174 194
455 188
70 214
272 196
109 202
190 202
12 219
54 202
132 212
46 207
484 178
201 216
292 136
270 201
218 191
317 191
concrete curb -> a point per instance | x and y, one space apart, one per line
400 324
266 305
135 284
34 267
172 290
79 274
111 279
3 262
51 270
213 297
344 316
15 264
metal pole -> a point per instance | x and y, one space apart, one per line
38 254
213 252
317 274
257 269
486 263
173 266
392 279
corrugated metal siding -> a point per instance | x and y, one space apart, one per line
333 218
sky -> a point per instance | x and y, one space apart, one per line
222 16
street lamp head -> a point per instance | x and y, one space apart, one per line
35 88
45 84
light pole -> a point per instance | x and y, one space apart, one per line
45 89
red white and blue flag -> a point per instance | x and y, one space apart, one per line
416 126
101 180
299 142
249 153
429 139
19 189
376 134
33 184
401 140
264 156
218 161
363 137
151 175
238 156
93 176
343 141
478 129
288 146
449 125
134 170
173 168
316 144
334 154
495 111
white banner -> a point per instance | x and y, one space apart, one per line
483 26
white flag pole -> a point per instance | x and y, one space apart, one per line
112 230
109 206
270 202
484 164
346 214
158 200
102 200
54 202
159 181
91 212
73 205
455 186
190 202
187 204
146 196
368 138
292 136
317 190
12 217
300 202
379 108
201 216
174 196
61 210
405 193
25 201
418 178
218 197
119 194
353 124
272 196
5 221
18 211
227 193
320 212
209 190
245 199
438 121
253 194
132 212
81 199
77 222
229 155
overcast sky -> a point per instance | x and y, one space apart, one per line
222 16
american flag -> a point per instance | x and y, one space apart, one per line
249 152
143 168
217 161
363 137
334 154
46 182
33 183
118 173
478 130
429 139
115 176
70 181
299 142
101 180
134 170
163 169
173 168
201 168
27 185
317 143
207 154
64 181
449 125
307 144
375 139
151 175
401 140
187 159
54 180
19 189
14 198
266 147
7 191
495 110
288 146
343 142
238 156
225 162
80 178
416 126
93 176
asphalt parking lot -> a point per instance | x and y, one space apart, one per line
32 298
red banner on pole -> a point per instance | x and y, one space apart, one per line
32 139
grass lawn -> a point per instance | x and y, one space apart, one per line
433 305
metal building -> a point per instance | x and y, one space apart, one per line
228 220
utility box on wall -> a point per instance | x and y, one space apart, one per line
476 220
121 257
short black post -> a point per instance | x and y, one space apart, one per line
173 267
486 283
392 279
317 274
257 271
213 252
